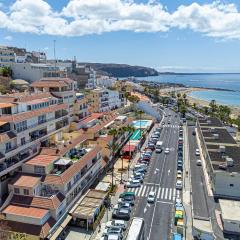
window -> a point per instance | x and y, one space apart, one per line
16 190
25 191
23 141
21 126
42 119
39 170
231 185
8 146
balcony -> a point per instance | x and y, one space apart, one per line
61 113
38 134
62 123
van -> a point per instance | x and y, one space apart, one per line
159 146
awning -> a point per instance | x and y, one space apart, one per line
66 221
128 148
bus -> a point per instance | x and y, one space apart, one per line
136 230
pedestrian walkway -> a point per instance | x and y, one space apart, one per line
167 194
170 126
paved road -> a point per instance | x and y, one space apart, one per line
199 191
161 178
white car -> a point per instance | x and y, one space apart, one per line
199 162
179 185
151 197
197 153
116 223
167 150
122 205
133 184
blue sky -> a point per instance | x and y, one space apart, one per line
169 35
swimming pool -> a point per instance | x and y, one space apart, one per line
136 135
142 123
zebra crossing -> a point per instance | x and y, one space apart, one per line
162 193
170 126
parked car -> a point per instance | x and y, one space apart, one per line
197 152
179 166
199 162
127 195
133 184
179 185
151 145
193 133
117 223
151 197
123 205
136 177
123 214
126 200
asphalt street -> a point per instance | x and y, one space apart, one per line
199 191
160 178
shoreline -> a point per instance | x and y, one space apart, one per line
235 109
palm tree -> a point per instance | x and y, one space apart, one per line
178 95
213 106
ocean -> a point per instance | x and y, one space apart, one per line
221 81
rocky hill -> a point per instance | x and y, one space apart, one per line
122 70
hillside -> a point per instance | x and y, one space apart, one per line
122 70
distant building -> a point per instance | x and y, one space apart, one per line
7 57
105 100
105 81
40 57
35 71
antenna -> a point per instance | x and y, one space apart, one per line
54 52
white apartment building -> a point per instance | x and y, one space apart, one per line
26 123
105 100
105 81
7 57
35 71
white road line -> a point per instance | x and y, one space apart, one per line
136 191
144 188
162 193
159 191
166 194
170 194
140 190
174 194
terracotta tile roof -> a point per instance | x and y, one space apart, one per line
92 117
30 114
42 160
72 170
52 82
49 151
7 136
25 180
5 105
52 202
25 211
35 230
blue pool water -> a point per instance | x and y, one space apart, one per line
140 123
221 97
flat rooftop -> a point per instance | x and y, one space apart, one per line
218 135
230 209
220 158
210 122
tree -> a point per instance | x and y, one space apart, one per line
224 113
6 72
213 106
183 110
4 230
205 110
178 95
195 106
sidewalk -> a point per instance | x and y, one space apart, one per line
187 189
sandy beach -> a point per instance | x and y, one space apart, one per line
235 110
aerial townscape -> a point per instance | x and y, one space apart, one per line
119 120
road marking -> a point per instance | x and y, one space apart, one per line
136 191
166 193
144 188
164 202
174 194
169 171
140 190
159 191
162 193
170 194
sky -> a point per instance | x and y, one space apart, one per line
169 35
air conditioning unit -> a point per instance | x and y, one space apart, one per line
208 121
215 136
229 162
222 149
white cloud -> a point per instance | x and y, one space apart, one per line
81 17
8 38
